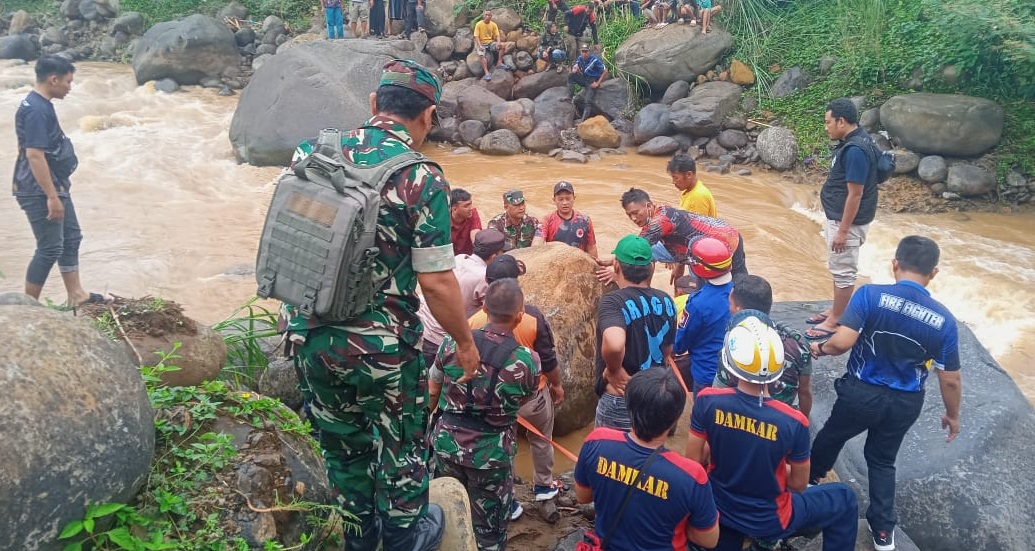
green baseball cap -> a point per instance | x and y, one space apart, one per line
633 250
514 197
410 74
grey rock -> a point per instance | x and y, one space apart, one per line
463 40
501 84
545 137
461 151
864 542
676 52
652 121
280 380
70 9
440 48
233 10
53 35
659 145
506 18
969 180
166 85
419 40
550 107
951 196
107 8
273 24
21 22
943 124
226 91
613 99
825 64
714 149
19 46
516 116
449 104
1015 179
870 120
735 122
530 86
211 82
186 50
732 139
259 60
789 82
970 494
744 172
447 130
500 142
17 299
336 78
471 132
906 161
568 156
88 10
71 436
938 188
675 92
475 102
266 49
244 36
702 112
107 47
523 61
777 147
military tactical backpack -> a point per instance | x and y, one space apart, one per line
317 250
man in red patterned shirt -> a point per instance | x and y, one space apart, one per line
568 225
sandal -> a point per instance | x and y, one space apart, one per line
818 318
94 298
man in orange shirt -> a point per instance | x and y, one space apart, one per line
535 333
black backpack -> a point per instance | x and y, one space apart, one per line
882 163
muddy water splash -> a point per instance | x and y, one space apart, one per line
167 211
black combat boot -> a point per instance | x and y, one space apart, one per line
368 538
424 535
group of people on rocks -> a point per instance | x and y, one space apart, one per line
367 18
469 348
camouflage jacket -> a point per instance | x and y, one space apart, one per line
797 364
414 214
516 237
477 425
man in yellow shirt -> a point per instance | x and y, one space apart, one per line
694 196
488 41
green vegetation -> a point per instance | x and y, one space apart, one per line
882 47
181 503
243 331
295 12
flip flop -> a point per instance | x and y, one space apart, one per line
818 318
97 298
818 334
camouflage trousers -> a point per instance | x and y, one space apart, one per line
491 492
371 410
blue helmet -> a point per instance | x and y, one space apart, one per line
558 55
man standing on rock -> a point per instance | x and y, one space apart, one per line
359 14
520 229
587 71
41 182
332 15
849 198
897 333
365 378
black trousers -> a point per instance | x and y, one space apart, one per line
885 415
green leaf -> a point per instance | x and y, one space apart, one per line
74 546
121 537
107 509
71 529
88 525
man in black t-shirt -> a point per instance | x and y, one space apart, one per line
41 182
635 329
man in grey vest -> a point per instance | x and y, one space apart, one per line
849 198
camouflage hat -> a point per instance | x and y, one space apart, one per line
514 197
410 74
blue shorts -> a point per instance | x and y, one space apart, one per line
704 4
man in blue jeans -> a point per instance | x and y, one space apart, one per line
758 462
589 72
41 182
897 333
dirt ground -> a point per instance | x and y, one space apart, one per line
140 317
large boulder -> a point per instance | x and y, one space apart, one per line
598 132
970 180
531 86
741 74
970 494
463 41
789 82
675 92
613 98
932 169
702 112
777 147
732 139
107 8
560 281
471 132
444 17
449 104
864 541
201 353
516 116
185 51
906 161
660 145
19 46
500 142
452 496
70 9
943 124
131 23
475 103
652 121
501 83
335 77
551 107
545 137
440 47
506 19
280 380
676 52
75 421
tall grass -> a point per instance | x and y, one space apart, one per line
614 29
244 331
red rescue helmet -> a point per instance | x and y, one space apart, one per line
710 258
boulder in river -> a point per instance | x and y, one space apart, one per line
335 77
75 421
676 52
943 124
972 493
703 111
185 51
560 281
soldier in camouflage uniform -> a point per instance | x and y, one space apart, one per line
365 379
520 229
795 384
474 439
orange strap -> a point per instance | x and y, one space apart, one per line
528 426
675 369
